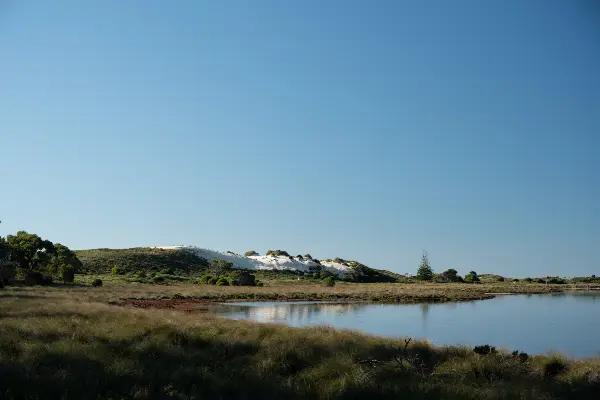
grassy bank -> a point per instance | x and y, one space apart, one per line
71 344
283 290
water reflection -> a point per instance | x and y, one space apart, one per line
533 323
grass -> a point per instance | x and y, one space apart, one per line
70 343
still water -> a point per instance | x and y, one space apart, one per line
568 323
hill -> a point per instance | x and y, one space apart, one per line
188 260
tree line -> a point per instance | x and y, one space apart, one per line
36 259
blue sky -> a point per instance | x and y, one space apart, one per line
365 130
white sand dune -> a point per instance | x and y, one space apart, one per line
262 262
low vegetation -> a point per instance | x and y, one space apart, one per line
69 343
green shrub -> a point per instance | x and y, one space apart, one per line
259 283
33 278
167 271
554 366
142 275
485 349
213 280
528 280
250 253
471 277
222 282
67 273
308 256
220 267
116 270
277 253
241 278
204 279
515 280
158 279
329 281
97 283
500 279
523 357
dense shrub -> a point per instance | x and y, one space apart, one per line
528 280
308 256
67 273
523 357
220 267
222 282
554 366
204 279
425 272
515 280
116 270
167 271
250 253
259 283
299 257
213 280
158 279
97 283
500 279
33 278
485 349
277 253
242 278
471 277
329 281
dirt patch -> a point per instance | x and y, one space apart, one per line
170 304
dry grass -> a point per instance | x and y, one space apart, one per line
114 290
71 344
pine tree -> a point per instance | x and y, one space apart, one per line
424 273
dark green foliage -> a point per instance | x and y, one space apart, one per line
67 273
554 366
158 279
97 283
277 253
299 257
528 280
451 275
100 261
222 282
515 280
242 278
250 253
523 357
205 278
471 277
116 270
329 281
167 271
485 349
33 278
29 250
308 256
259 283
213 280
500 279
425 272
220 267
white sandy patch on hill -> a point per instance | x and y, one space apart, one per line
262 262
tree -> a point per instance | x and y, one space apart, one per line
29 250
451 275
63 260
425 272
219 267
472 277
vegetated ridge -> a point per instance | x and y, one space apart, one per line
195 260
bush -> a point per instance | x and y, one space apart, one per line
222 282
500 279
308 256
471 277
554 366
33 278
329 281
523 357
213 280
277 253
97 283
485 349
250 253
116 270
515 280
158 279
167 271
68 273
204 279
242 278
220 267
259 283
528 280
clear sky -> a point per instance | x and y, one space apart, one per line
365 130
